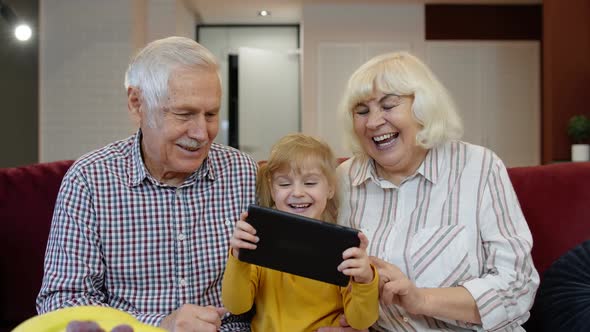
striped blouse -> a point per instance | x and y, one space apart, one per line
456 221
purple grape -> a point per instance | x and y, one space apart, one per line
83 326
122 328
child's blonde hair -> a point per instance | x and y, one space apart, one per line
295 151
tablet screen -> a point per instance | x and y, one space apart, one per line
299 245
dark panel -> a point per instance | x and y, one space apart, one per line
566 72
233 99
483 22
19 92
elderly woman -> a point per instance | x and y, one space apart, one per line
446 230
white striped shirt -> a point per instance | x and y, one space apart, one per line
456 221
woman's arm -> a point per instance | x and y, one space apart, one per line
453 303
505 290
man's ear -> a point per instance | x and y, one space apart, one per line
134 103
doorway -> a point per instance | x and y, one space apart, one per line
260 82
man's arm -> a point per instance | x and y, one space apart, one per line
73 269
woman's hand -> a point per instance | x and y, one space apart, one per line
356 262
244 236
396 288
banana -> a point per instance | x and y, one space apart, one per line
106 317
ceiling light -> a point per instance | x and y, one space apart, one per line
23 32
264 13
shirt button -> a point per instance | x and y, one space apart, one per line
182 282
406 319
227 222
181 237
177 193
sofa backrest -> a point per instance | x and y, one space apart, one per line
555 200
27 197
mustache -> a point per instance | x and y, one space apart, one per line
191 143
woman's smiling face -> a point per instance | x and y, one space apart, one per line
386 129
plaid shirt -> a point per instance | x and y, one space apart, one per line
120 238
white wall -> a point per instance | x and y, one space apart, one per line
497 88
85 46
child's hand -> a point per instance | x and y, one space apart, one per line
356 262
244 236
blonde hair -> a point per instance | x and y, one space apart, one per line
403 74
294 152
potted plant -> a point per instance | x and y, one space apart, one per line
579 131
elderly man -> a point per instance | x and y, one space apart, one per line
143 224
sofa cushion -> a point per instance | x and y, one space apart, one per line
554 199
27 197
564 294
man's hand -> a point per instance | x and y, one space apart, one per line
344 327
193 318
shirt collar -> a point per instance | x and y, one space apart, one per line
135 167
137 172
429 168
432 164
364 170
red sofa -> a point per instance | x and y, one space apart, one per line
555 200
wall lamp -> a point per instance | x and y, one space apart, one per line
22 31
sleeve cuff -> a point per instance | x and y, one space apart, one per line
489 303
364 288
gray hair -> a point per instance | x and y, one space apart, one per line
150 69
403 74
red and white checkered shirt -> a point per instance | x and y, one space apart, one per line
120 238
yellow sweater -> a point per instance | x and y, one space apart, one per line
286 302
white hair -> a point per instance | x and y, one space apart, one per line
149 71
403 74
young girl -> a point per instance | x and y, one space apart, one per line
299 178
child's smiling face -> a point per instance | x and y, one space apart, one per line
305 192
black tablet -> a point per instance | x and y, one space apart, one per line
299 245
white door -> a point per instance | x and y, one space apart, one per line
268 95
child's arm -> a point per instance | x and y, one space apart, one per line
240 279
361 297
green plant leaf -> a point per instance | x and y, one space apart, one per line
579 129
